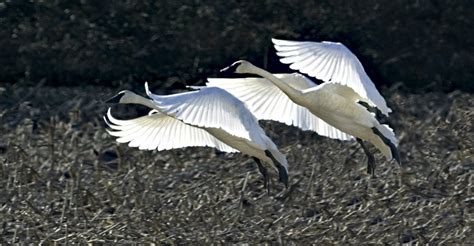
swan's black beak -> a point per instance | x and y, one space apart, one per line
229 70
116 98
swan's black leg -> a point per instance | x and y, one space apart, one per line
370 158
282 172
264 172
392 146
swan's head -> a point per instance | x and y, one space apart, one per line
241 66
123 97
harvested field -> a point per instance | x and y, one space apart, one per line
63 179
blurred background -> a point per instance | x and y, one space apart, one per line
423 45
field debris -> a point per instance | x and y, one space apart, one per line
63 179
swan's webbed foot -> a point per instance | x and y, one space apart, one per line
264 172
370 158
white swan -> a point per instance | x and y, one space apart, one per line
331 109
206 117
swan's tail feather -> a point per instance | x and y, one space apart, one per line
387 135
280 163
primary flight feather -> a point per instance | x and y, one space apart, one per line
206 117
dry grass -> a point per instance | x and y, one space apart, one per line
63 179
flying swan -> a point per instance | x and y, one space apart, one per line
338 108
208 116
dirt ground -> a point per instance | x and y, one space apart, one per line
64 179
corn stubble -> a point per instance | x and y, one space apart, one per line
64 180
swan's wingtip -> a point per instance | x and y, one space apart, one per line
105 119
108 118
277 41
332 42
147 89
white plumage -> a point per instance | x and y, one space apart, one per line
267 101
161 132
330 109
209 108
207 117
330 62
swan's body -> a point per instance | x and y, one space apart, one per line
207 117
342 111
330 109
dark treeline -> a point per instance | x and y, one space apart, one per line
424 44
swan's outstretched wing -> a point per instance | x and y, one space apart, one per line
210 108
267 102
161 132
330 62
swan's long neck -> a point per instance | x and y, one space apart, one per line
137 99
291 92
